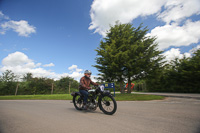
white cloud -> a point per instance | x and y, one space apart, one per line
106 12
75 68
21 27
20 64
177 10
172 12
15 59
72 67
48 65
76 75
174 35
175 53
75 72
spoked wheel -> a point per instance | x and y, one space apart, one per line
78 102
108 105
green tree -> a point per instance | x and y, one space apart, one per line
194 66
28 77
180 75
110 54
184 74
62 85
8 83
127 54
39 86
8 76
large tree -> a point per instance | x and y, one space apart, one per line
127 54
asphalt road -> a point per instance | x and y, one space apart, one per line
172 115
177 95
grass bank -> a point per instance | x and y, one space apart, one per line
118 97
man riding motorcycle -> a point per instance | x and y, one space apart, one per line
84 86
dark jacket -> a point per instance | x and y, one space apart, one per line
85 83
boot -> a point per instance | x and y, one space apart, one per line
84 106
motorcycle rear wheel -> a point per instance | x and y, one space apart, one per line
78 102
108 104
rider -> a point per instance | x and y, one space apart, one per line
84 86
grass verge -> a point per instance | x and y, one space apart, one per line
137 97
118 97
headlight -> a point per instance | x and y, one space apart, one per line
101 87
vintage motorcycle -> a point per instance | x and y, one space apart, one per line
97 98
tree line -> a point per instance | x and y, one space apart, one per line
181 75
10 84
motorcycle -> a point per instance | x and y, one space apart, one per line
98 97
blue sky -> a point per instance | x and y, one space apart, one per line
55 38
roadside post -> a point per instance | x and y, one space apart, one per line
110 85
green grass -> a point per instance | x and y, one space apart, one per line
118 97
38 97
137 97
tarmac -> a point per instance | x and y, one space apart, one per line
176 95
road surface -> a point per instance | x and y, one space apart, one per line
172 115
177 95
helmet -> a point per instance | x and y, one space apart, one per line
87 72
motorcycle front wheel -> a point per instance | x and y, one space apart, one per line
78 102
108 104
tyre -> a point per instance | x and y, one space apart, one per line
108 104
78 102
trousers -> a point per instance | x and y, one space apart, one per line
85 94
